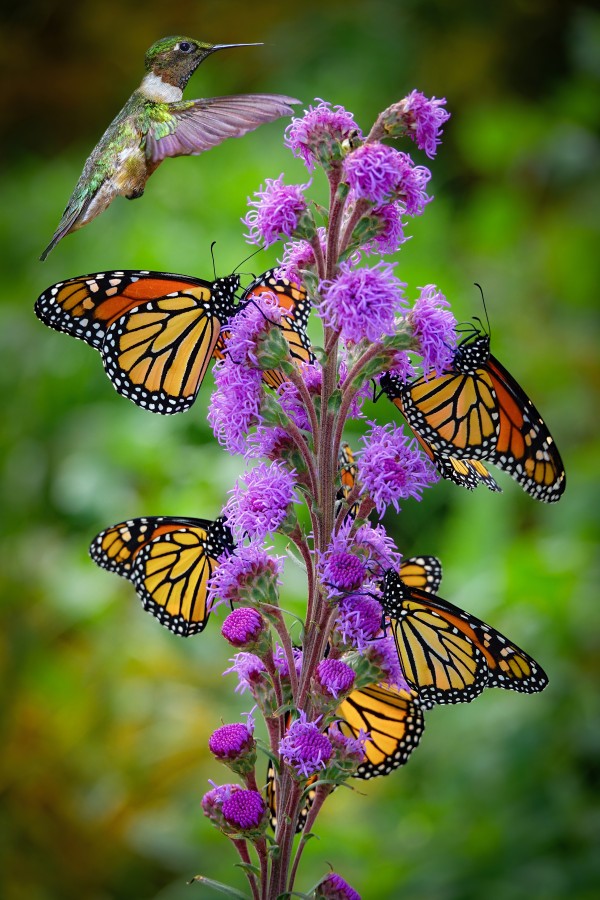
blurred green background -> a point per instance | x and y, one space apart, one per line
104 715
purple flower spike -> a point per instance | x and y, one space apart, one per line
212 801
249 670
276 212
359 620
235 404
381 174
319 135
402 366
333 887
245 811
298 256
243 626
347 749
305 747
343 572
335 677
423 119
392 468
434 326
378 546
260 501
384 654
231 741
281 662
362 303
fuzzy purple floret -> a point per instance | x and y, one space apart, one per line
276 212
313 137
402 366
305 748
335 676
359 620
434 326
248 668
281 661
238 570
362 303
230 741
293 405
374 541
249 325
213 800
242 626
260 501
244 809
384 653
299 255
390 236
333 887
235 404
392 468
346 747
381 175
424 118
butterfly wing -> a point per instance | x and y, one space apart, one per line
423 572
293 299
85 307
272 800
524 448
394 721
169 562
449 655
468 473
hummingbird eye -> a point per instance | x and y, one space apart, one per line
186 47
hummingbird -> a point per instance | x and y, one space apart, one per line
156 123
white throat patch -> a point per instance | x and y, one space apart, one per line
154 88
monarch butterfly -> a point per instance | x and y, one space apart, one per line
157 332
449 655
395 723
468 473
294 301
476 410
347 472
169 561
423 572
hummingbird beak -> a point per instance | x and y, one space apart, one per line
227 46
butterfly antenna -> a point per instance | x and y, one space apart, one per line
487 318
254 252
212 253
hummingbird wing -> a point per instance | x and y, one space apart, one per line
192 126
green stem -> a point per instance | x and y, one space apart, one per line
242 848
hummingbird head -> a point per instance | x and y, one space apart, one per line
175 59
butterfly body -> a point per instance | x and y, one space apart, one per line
448 654
169 561
156 123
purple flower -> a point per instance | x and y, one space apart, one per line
362 303
249 670
231 741
299 256
381 174
434 326
333 887
384 654
319 135
293 405
251 324
245 810
281 662
243 626
340 569
347 749
359 620
378 546
235 403
242 575
269 441
392 468
212 801
312 374
305 747
260 501
402 367
276 212
390 229
335 677
423 120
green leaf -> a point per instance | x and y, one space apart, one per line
219 886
